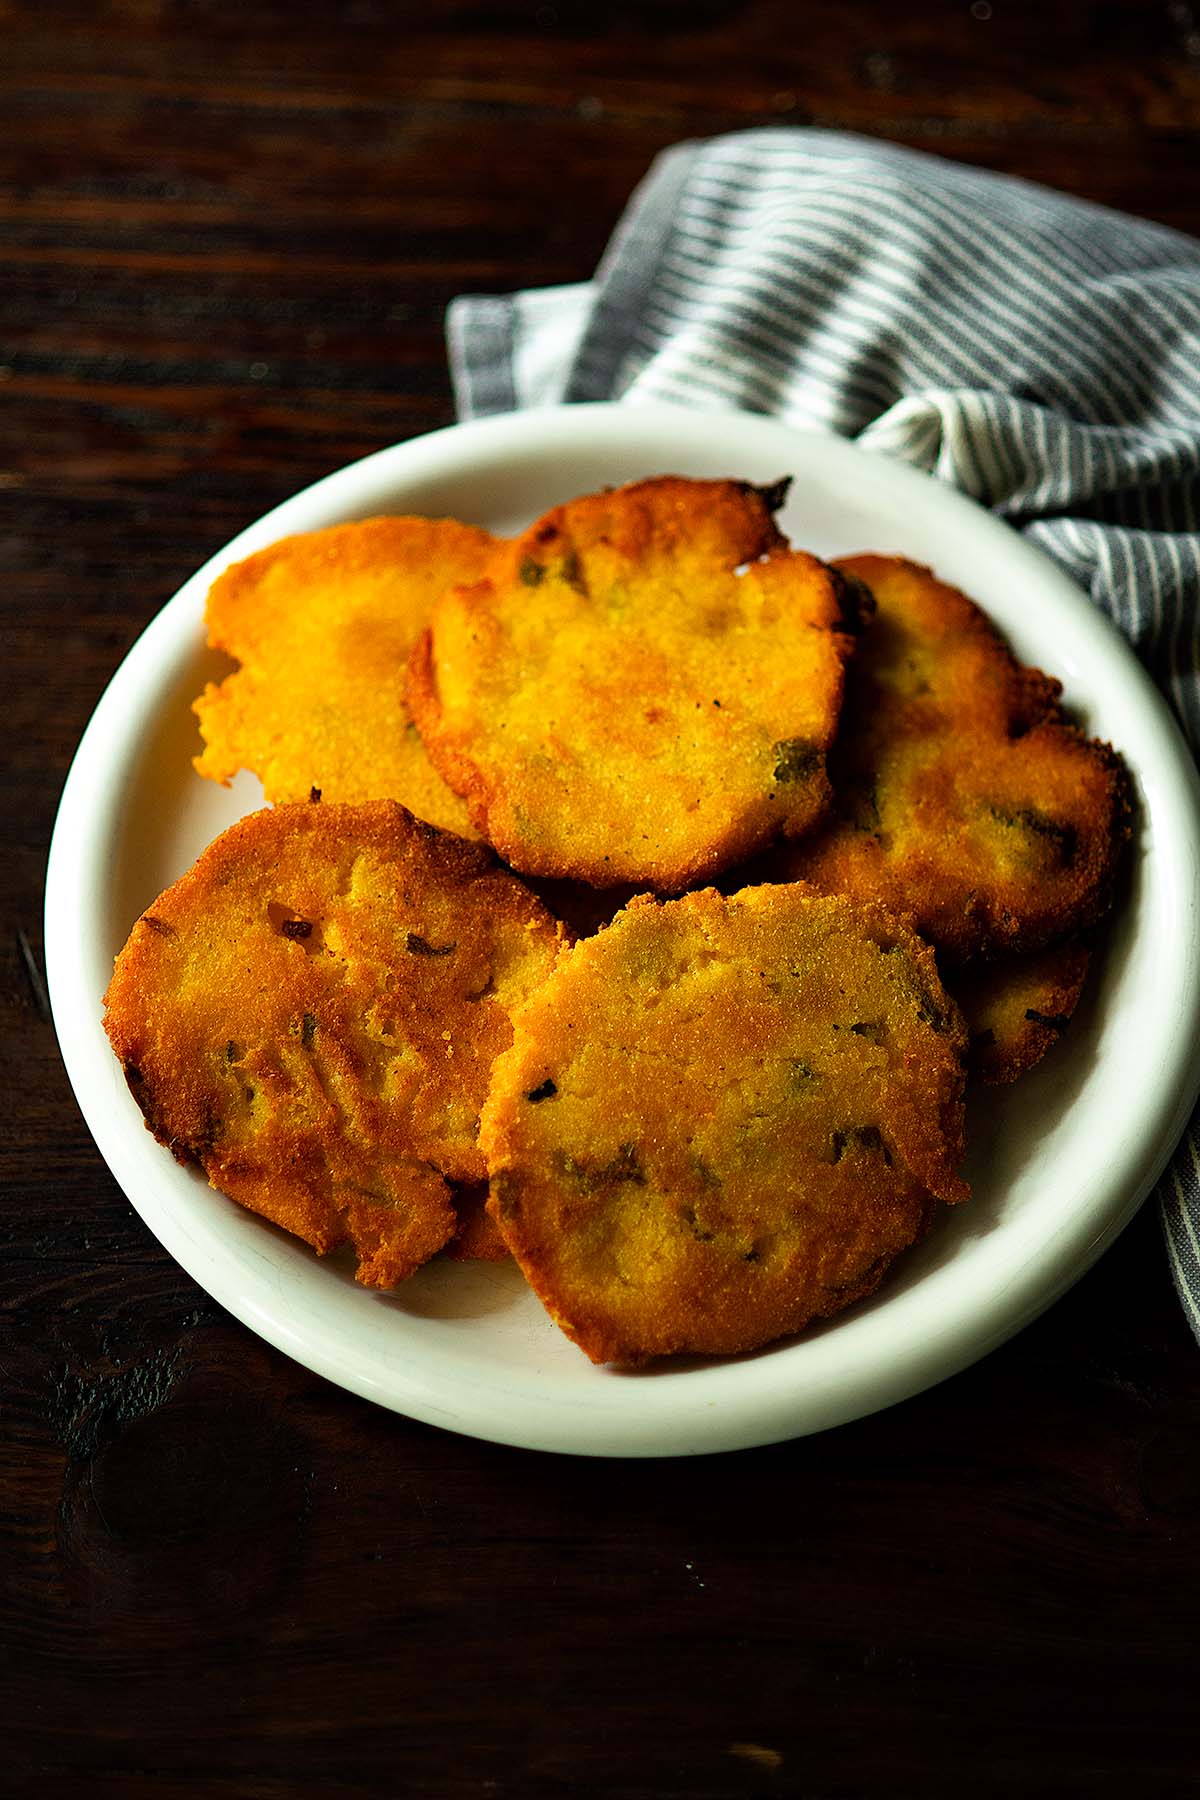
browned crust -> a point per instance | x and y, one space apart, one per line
722 1118
569 695
1018 1008
963 795
322 624
476 1234
311 1012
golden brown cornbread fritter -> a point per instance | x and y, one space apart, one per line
641 688
1018 1007
311 1013
721 1118
962 796
322 625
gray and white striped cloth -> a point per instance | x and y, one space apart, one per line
1037 352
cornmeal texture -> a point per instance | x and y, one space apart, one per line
312 1013
722 1118
323 625
962 796
1018 1007
476 1235
642 688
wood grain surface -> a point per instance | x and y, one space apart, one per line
230 232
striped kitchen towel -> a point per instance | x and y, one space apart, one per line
1037 352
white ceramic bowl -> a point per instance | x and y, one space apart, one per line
1059 1163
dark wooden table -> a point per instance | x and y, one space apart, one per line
230 233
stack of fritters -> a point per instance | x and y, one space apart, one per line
964 799
712 1119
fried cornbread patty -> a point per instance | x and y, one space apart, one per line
1018 1007
311 1014
721 1118
962 795
322 625
641 688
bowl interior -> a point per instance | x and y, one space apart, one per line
1057 1163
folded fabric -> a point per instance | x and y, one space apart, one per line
1037 352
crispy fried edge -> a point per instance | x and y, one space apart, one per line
468 861
1034 707
593 1334
221 759
851 602
996 1061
